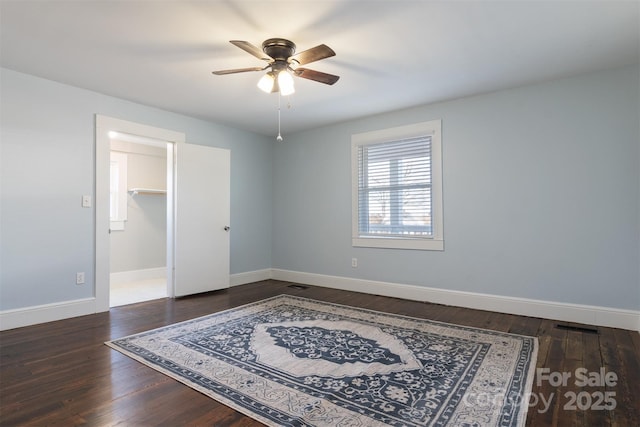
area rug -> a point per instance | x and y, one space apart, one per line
291 361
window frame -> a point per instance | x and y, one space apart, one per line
118 198
434 242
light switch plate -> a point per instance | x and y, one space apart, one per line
86 201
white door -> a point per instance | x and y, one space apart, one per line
202 214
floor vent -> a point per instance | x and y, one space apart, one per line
577 328
298 287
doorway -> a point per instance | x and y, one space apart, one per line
138 214
198 226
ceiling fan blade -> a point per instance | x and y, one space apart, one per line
314 54
238 70
317 76
253 50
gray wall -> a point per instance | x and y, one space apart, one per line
143 242
47 164
541 192
541 195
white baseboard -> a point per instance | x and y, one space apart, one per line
27 316
17 318
586 314
135 275
249 277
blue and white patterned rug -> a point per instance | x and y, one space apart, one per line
290 361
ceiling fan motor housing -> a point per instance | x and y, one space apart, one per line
279 49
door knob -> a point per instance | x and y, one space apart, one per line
227 228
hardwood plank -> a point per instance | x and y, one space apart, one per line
592 362
635 339
570 413
628 384
621 416
61 373
523 325
499 321
546 410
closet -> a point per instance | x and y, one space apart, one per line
138 222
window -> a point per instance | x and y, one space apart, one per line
397 187
118 191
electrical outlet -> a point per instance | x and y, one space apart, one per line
354 262
80 278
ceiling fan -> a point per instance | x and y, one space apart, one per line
284 63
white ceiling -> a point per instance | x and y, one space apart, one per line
389 54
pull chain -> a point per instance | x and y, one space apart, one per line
279 137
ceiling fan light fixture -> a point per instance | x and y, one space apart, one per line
267 82
284 65
285 82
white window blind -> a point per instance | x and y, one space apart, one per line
397 187
394 188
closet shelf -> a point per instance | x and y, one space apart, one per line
136 190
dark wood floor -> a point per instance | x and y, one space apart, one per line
61 373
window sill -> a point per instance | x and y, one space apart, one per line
116 226
391 243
